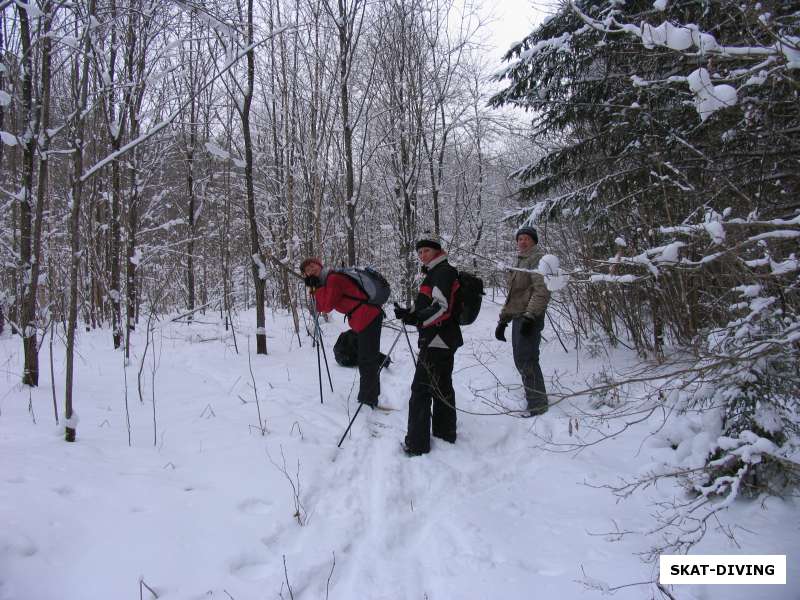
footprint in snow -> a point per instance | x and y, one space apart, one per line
252 570
17 545
254 506
64 490
552 571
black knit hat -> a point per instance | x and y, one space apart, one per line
530 231
428 243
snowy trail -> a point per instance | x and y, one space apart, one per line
410 508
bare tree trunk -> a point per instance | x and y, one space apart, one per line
132 226
344 25
224 237
31 369
116 244
15 282
479 136
95 314
256 257
2 82
12 271
75 230
31 223
192 67
135 67
132 260
435 158
115 123
190 241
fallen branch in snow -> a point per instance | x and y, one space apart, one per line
592 583
191 312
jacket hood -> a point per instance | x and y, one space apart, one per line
323 275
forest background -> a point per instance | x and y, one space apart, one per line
161 158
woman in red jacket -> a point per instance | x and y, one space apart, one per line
335 291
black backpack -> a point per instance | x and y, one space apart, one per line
369 281
345 350
468 297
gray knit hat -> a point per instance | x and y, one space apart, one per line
529 231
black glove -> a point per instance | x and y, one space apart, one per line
527 325
312 281
500 331
406 315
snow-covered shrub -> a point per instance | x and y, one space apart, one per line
605 393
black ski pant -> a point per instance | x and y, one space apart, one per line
369 362
526 359
432 400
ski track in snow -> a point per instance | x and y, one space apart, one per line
206 510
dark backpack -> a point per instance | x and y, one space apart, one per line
468 297
369 281
345 350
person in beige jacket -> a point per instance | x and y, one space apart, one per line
525 309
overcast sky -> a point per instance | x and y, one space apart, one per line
513 20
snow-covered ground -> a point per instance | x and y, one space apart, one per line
208 508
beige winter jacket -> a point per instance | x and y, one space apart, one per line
527 292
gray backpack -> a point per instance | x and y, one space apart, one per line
369 281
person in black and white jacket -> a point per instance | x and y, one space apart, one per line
433 400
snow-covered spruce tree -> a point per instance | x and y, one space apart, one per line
674 128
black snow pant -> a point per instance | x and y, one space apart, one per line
432 388
526 359
369 362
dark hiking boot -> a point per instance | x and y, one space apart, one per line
533 411
410 451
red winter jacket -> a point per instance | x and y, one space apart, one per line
340 293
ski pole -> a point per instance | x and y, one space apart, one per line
324 354
410 349
383 364
319 365
318 337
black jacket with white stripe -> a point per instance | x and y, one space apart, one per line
435 305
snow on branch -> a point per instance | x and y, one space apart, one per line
685 37
561 43
202 13
708 97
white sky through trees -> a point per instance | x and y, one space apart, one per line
510 21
